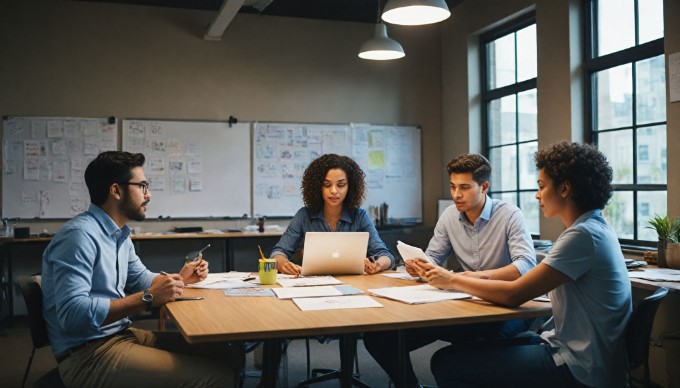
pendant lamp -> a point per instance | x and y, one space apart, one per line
415 12
381 47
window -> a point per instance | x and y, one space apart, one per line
509 114
626 84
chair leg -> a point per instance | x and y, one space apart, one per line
28 367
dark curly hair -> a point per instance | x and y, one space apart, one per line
476 164
108 168
584 167
312 181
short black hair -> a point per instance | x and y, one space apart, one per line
315 174
586 169
107 168
476 164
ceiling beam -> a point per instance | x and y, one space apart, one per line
224 17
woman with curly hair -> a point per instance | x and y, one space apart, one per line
587 280
333 189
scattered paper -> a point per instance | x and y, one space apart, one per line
224 280
248 291
336 302
306 281
400 275
418 294
657 274
306 292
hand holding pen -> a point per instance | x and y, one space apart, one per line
196 270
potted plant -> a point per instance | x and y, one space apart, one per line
667 231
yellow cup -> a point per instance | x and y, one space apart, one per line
267 271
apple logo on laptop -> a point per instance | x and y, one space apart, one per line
335 254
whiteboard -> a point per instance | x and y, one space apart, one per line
194 168
44 161
389 155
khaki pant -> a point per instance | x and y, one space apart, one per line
142 358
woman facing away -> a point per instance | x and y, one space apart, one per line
333 189
588 283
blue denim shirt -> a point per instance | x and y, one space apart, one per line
89 262
305 221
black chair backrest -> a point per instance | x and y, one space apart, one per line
639 328
32 292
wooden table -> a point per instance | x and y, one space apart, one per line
220 318
652 285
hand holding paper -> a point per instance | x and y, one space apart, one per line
409 252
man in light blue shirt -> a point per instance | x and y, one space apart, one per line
489 240
92 280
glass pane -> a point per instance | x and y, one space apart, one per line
651 20
651 155
649 204
506 197
613 104
501 116
501 58
619 213
527 167
616 26
528 114
529 207
526 53
650 85
618 147
503 168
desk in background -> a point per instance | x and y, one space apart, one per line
221 318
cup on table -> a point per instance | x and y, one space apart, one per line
267 271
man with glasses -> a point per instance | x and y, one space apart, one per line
92 280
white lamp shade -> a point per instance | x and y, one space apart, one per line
381 47
415 12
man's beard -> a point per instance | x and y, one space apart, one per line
131 211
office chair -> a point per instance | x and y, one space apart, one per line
638 331
319 375
32 292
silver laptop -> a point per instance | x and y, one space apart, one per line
334 253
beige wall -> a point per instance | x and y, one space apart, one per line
67 58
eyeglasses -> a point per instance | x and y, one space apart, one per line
143 185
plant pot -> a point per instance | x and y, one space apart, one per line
673 255
661 253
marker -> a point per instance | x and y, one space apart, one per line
261 254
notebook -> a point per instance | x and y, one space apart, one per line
334 253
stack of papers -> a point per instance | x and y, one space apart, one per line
418 294
657 274
314 291
409 252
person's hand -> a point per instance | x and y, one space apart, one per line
166 287
289 268
435 275
372 267
411 268
476 274
194 271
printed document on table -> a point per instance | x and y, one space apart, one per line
657 274
306 292
418 294
336 302
224 280
306 281
409 252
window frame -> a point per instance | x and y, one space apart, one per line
514 89
593 65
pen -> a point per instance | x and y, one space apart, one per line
188 298
199 255
371 259
164 273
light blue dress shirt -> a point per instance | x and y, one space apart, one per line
89 262
305 221
497 238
